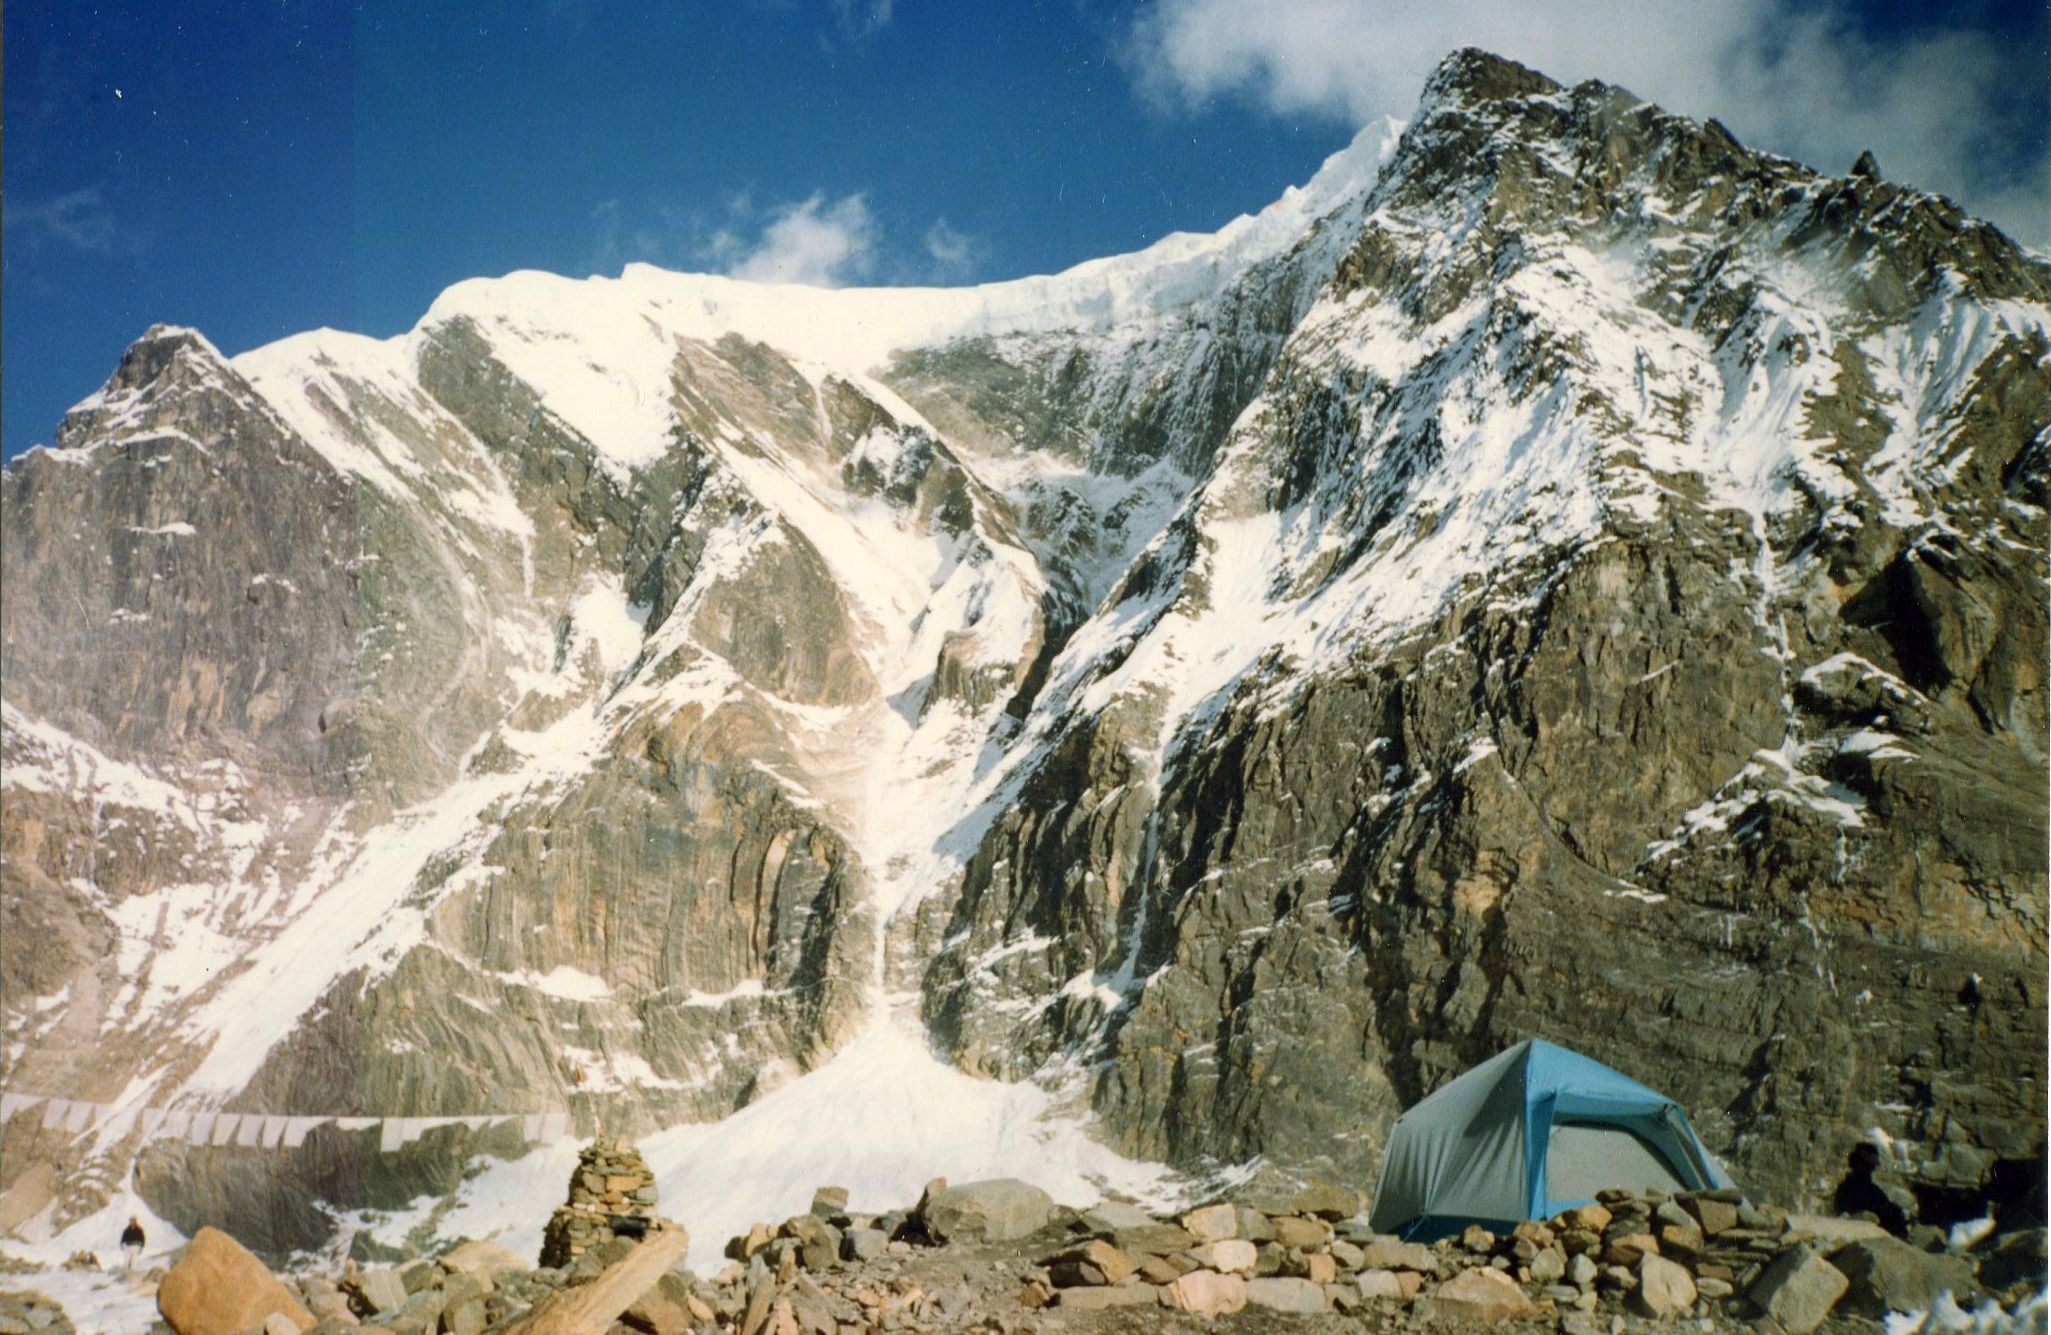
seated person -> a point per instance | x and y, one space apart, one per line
1858 1193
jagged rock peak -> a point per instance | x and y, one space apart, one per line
150 357
1472 75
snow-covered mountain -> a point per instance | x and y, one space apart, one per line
1556 572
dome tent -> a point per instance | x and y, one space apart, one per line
1530 1132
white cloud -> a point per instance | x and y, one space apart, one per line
860 19
815 243
1961 112
79 219
953 252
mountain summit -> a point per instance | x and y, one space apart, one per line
1558 573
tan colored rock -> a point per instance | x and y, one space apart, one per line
1233 1256
1714 1216
1206 1293
1320 1268
1798 1290
1114 1264
1394 1254
1325 1200
1098 1299
219 1288
1158 1270
484 1261
1480 1295
1830 1231
1212 1223
1297 1231
1627 1248
1594 1218
664 1310
1664 1288
590 1309
1381 1284
1300 1296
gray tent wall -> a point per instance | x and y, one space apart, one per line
1465 1154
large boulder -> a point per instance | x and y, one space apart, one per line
1888 1275
218 1288
998 1210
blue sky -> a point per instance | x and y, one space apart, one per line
259 167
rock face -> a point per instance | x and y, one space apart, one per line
218 1288
1575 577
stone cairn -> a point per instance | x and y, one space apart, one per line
612 1194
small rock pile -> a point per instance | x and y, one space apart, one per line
32 1314
612 1194
1001 1258
1646 1255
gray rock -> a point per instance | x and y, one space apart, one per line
863 1244
1286 1295
382 1289
1888 1275
1798 1290
998 1210
1664 1288
1111 1216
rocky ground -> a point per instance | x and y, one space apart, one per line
1002 1257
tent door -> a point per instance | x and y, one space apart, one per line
1582 1158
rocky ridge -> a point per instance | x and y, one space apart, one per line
1576 577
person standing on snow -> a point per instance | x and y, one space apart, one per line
131 1243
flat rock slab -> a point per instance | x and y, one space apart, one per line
1153 1240
1286 1295
1111 1216
1830 1231
1117 1295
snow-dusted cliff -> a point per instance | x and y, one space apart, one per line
1557 572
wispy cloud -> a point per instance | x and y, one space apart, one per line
1962 111
954 253
79 219
817 242
859 20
